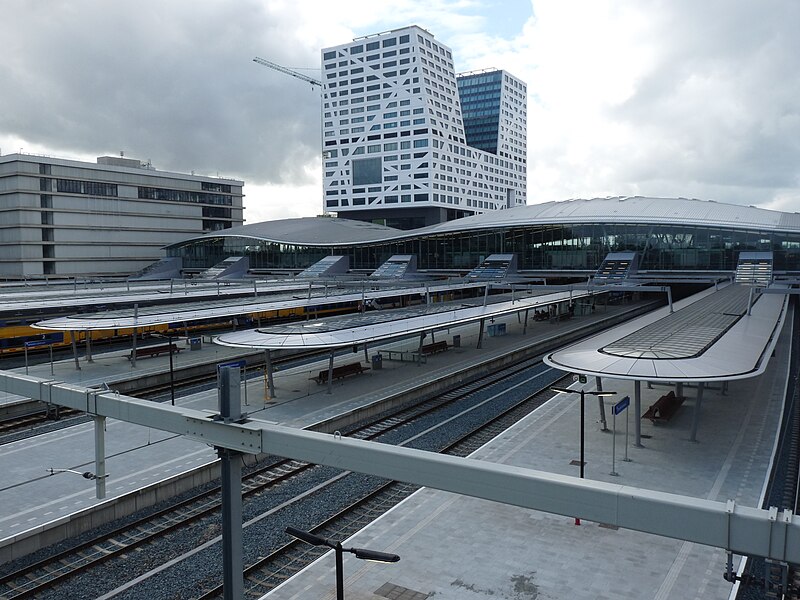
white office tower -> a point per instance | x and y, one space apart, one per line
408 143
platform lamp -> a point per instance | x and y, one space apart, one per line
362 553
582 393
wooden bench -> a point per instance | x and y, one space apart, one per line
434 348
664 408
154 350
339 372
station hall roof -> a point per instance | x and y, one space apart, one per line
710 337
326 231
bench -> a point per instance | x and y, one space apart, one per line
664 408
154 350
434 348
339 372
402 355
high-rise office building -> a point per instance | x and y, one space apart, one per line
65 217
408 143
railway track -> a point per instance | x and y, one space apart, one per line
35 579
268 572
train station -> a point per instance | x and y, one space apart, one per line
637 353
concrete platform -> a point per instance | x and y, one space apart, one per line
460 548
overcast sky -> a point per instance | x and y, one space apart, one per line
652 97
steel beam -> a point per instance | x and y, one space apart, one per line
739 529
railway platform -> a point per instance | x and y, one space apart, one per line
458 548
137 457
450 546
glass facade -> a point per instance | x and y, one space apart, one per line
676 248
480 108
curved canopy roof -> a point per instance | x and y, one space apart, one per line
337 332
711 337
326 231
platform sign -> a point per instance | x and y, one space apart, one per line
622 405
35 343
619 407
234 363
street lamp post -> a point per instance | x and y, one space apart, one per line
361 553
582 394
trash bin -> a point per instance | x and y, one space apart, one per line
456 341
377 361
195 343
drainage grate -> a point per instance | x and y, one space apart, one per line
398 592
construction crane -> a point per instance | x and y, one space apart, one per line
272 65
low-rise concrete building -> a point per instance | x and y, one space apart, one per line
66 218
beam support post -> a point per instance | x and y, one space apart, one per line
601 405
73 335
268 368
100 456
330 374
231 475
696 414
637 410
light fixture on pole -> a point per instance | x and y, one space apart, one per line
561 390
362 553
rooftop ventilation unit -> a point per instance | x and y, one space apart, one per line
495 267
617 266
327 267
398 266
754 268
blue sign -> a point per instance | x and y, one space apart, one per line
34 343
622 405
235 363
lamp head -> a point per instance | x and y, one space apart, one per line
374 555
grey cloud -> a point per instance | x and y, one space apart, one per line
721 108
173 82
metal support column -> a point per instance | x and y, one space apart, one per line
268 367
696 415
603 423
135 334
88 346
330 374
637 412
480 335
419 348
669 299
133 347
679 389
525 326
73 335
100 456
750 302
231 475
